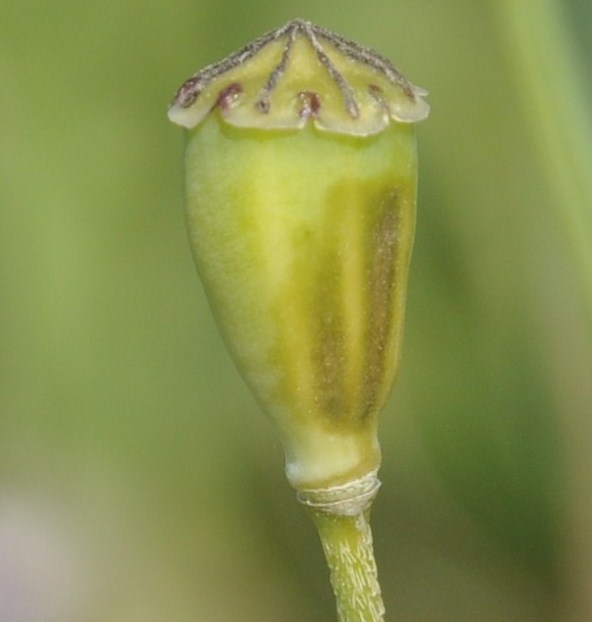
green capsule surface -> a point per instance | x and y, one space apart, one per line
302 234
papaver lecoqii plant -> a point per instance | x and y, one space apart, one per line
301 176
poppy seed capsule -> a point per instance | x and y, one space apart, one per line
301 182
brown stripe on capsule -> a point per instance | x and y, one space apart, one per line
381 290
339 394
329 352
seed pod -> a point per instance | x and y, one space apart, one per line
301 181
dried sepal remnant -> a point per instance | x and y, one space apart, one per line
297 74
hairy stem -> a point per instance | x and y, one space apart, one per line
347 543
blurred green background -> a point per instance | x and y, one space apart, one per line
138 479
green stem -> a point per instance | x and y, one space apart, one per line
347 543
